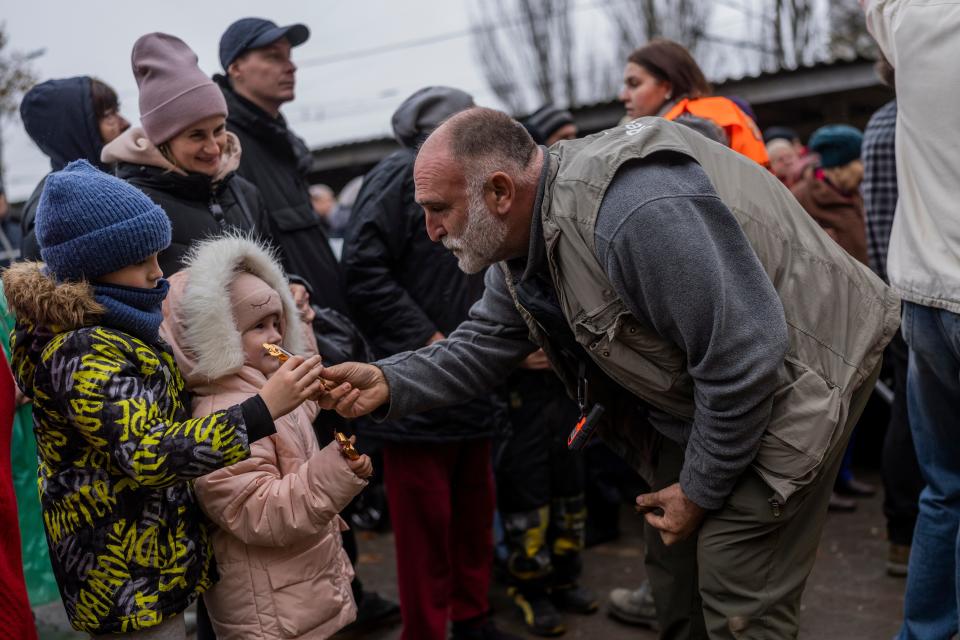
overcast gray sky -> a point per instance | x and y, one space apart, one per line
338 99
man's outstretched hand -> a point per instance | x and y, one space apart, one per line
370 389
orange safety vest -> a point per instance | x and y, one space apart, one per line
741 130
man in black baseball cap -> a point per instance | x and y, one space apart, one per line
259 77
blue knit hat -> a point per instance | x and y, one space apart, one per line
90 223
836 144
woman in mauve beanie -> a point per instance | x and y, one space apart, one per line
182 155
174 92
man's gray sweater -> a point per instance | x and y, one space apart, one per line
680 262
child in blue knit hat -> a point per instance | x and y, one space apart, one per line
115 441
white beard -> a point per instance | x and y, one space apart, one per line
482 238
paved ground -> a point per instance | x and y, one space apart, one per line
848 597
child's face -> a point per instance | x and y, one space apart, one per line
143 275
267 329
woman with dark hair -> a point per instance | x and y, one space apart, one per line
69 119
661 78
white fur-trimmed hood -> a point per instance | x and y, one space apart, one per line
198 320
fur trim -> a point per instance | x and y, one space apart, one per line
209 332
37 298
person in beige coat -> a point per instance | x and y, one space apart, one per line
283 570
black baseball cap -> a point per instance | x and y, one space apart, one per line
253 33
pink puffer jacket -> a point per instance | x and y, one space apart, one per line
283 571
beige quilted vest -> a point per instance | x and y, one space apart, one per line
839 315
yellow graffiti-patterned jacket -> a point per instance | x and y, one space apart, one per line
116 450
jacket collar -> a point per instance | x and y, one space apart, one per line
257 123
535 262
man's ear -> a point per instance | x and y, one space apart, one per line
233 70
502 190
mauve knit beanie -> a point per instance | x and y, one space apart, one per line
174 92
90 223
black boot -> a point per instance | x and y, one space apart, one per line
372 610
539 614
575 599
479 628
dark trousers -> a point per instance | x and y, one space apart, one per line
672 570
902 482
540 483
441 502
748 561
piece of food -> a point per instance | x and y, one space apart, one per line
277 351
283 355
346 447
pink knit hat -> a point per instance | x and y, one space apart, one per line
174 92
252 300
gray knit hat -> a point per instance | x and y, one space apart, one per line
174 92
545 121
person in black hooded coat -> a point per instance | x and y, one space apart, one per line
69 119
407 291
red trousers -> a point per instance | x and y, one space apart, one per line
441 501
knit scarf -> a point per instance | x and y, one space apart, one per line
133 310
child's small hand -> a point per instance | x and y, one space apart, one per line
362 466
297 380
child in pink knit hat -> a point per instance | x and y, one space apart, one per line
278 542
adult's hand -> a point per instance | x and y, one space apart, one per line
370 389
436 337
301 297
536 361
680 516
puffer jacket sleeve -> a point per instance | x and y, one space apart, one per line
107 399
373 246
259 505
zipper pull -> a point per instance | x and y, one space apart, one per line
774 507
217 212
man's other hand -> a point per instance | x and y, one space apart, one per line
680 516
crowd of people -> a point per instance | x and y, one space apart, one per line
215 367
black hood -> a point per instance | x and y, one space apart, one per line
58 115
422 112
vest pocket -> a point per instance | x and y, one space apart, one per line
635 357
806 416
